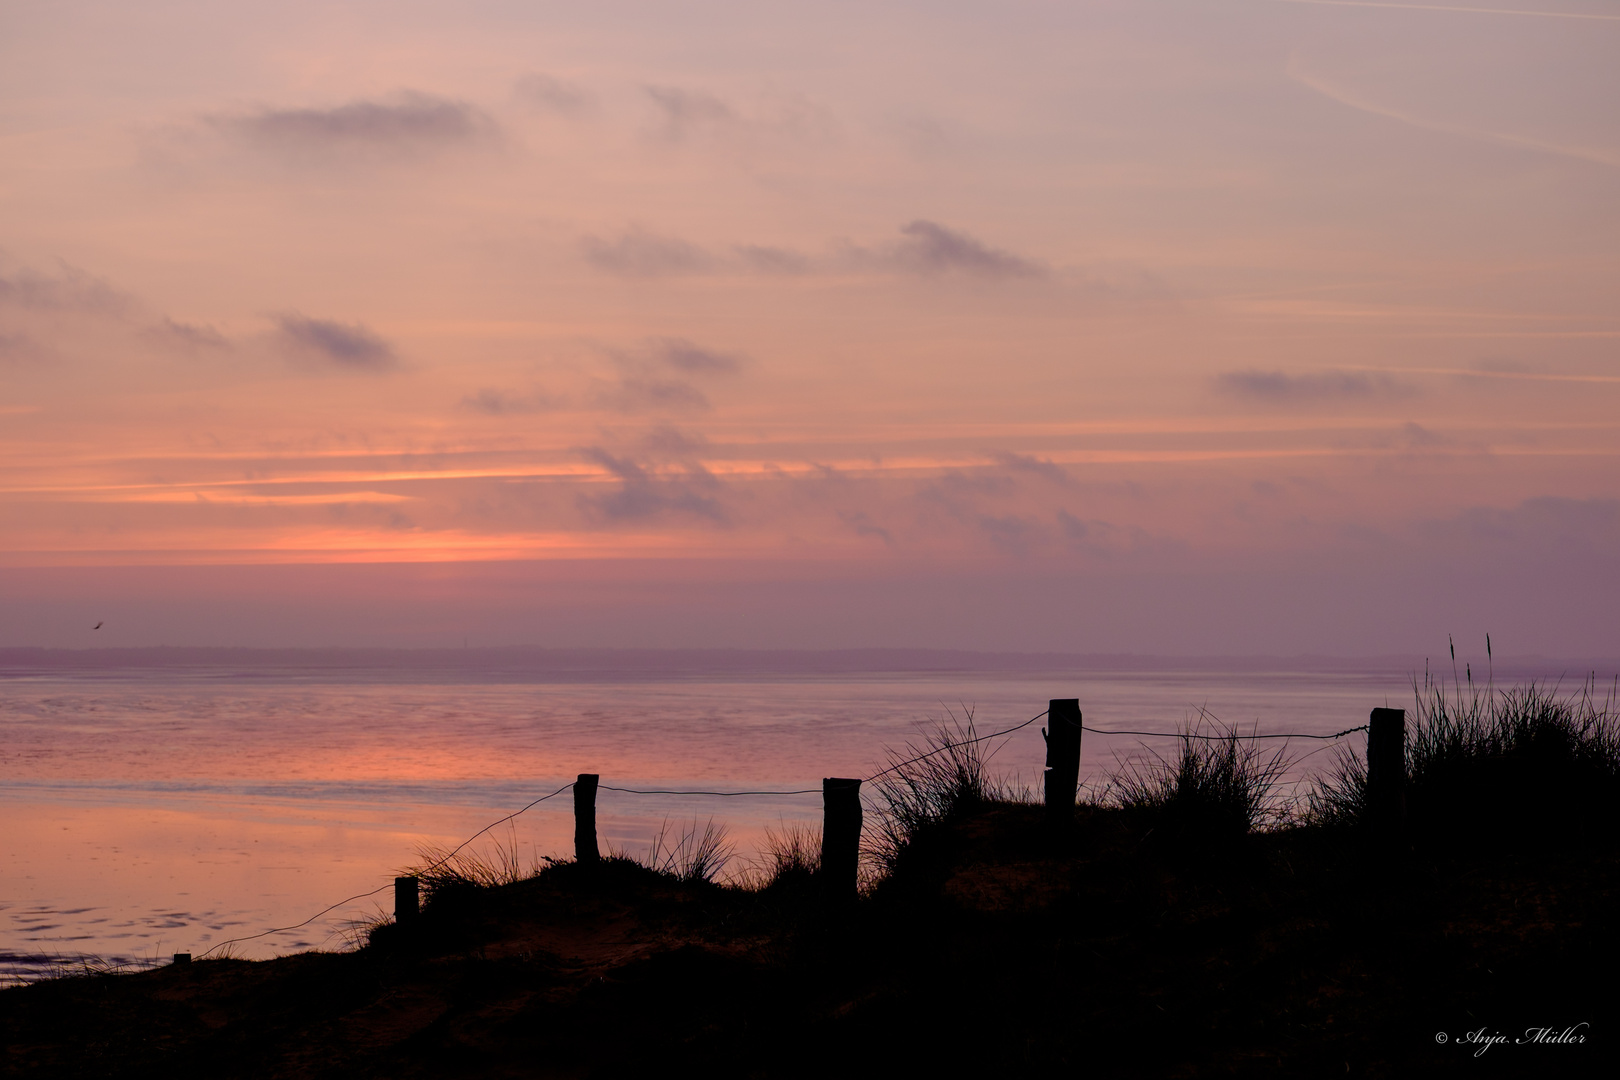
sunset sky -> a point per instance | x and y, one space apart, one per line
1165 326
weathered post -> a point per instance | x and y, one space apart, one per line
407 900
585 850
1062 758
1386 770
840 836
182 958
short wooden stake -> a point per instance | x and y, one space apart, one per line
182 958
1386 770
407 900
840 837
585 850
1062 758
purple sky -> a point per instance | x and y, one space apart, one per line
1180 326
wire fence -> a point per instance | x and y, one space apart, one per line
946 747
1229 736
716 794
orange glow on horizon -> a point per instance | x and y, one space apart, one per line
1318 285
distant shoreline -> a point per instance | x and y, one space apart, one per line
524 661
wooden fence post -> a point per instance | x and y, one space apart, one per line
407 900
840 836
182 958
585 850
1062 758
1386 770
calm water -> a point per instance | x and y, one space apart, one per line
166 813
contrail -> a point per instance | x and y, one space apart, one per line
1448 7
1583 153
1475 373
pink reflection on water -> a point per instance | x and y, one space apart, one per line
149 817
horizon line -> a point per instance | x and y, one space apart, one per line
720 659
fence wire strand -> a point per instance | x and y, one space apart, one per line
953 746
380 888
294 926
801 791
718 794
1233 734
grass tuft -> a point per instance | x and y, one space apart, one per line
362 930
1338 798
789 860
1214 789
944 775
1495 763
693 856
84 966
442 873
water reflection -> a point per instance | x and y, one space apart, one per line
155 816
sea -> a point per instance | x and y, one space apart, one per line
237 803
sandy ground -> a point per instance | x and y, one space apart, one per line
996 950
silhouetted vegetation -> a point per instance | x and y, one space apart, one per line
499 862
1217 788
789 860
692 855
991 943
1526 764
925 784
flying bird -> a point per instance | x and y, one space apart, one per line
97 626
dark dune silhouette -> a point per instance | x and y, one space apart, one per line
1158 934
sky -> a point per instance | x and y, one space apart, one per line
1162 326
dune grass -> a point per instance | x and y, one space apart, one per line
499 862
1485 761
927 782
1489 764
789 860
693 855
1218 786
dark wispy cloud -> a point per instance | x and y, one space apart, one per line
664 477
656 377
548 92
69 289
638 392
928 247
15 348
343 346
762 259
670 443
188 336
494 402
1548 525
963 495
1280 387
409 121
956 484
639 253
925 249
1101 539
1415 436
1009 533
862 524
684 112
683 355
1074 529
768 125
1034 466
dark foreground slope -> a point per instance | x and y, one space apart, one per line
994 949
